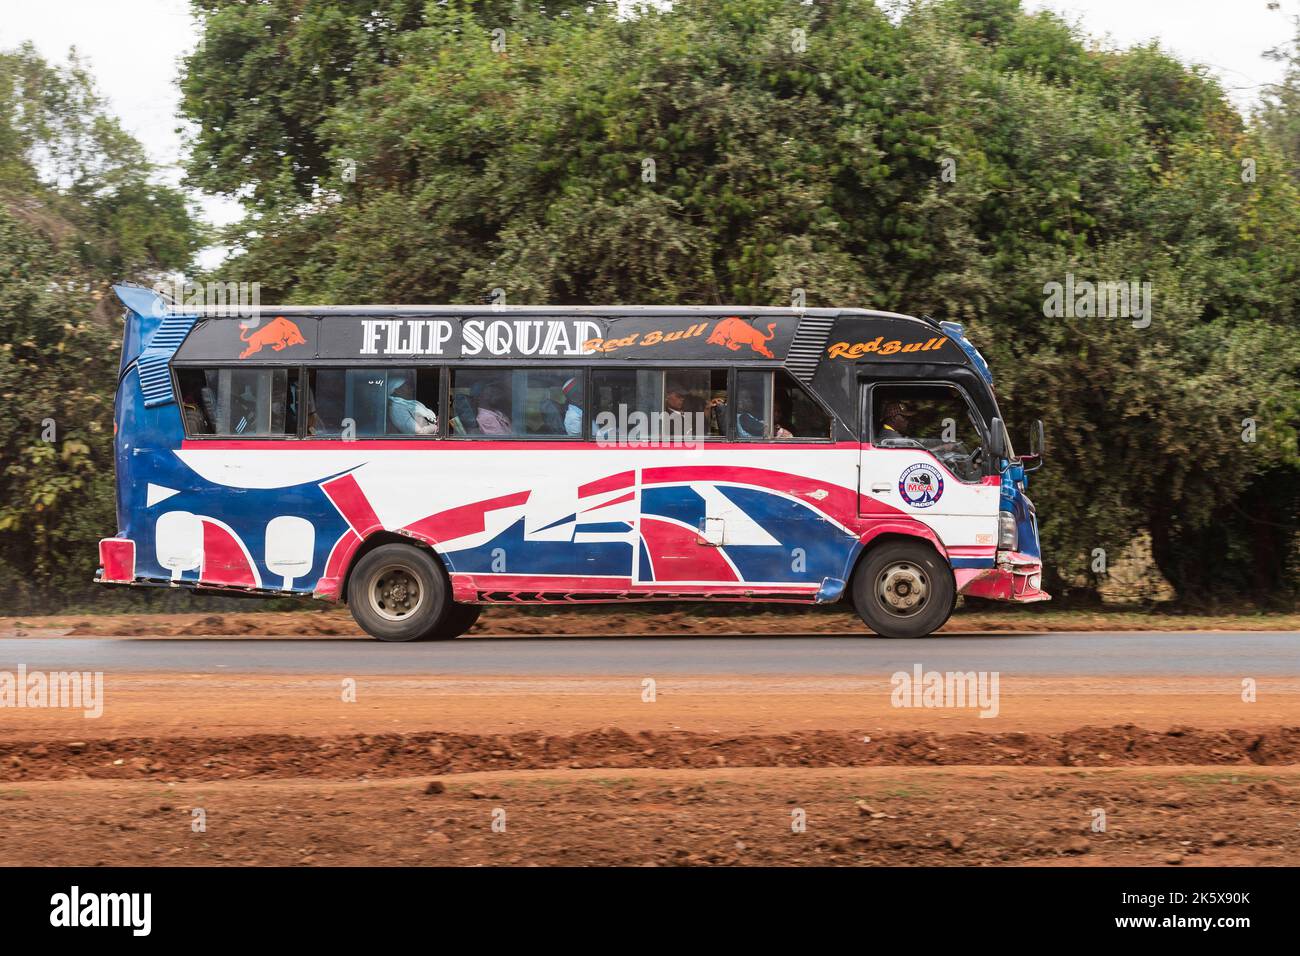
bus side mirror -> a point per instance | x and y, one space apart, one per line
997 439
1037 447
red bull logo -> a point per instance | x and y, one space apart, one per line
734 332
279 334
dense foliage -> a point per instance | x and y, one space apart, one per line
79 208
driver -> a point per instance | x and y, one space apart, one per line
895 420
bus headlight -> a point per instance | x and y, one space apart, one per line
1007 537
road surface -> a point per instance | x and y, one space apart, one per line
1200 653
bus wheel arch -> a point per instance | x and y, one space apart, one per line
902 585
398 589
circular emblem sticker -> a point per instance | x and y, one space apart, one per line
921 485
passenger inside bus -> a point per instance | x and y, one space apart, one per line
492 418
572 391
781 415
196 420
407 415
695 402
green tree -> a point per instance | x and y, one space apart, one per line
79 209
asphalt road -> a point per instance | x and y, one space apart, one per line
1226 654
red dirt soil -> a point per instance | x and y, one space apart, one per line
715 620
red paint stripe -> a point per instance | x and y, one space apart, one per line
613 483
352 504
731 588
842 504
473 444
678 557
463 583
341 553
540 582
223 559
463 520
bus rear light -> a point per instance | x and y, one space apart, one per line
117 560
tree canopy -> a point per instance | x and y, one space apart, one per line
80 208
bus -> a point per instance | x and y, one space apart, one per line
418 462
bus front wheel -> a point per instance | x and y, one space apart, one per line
397 592
460 618
903 589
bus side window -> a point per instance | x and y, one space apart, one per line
552 401
412 401
482 402
773 406
699 397
238 402
372 402
795 414
198 410
936 418
622 397
753 404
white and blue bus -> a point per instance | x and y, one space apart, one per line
418 462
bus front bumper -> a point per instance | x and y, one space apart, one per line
1015 577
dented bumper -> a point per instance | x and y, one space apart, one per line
1015 577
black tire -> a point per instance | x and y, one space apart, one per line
458 619
894 573
398 592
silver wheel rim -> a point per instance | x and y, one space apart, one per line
396 593
903 588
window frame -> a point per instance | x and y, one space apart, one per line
439 435
831 420
663 368
868 405
587 370
291 367
444 422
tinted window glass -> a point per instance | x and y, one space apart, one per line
372 403
623 399
242 402
696 400
934 417
775 407
536 401
658 405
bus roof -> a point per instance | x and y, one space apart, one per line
395 311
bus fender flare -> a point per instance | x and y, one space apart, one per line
895 529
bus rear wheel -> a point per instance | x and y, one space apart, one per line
901 589
397 592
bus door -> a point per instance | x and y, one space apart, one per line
925 458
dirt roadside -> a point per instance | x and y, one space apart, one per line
714 772
873 816
170 705
311 770
712 621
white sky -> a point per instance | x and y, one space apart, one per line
133 48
